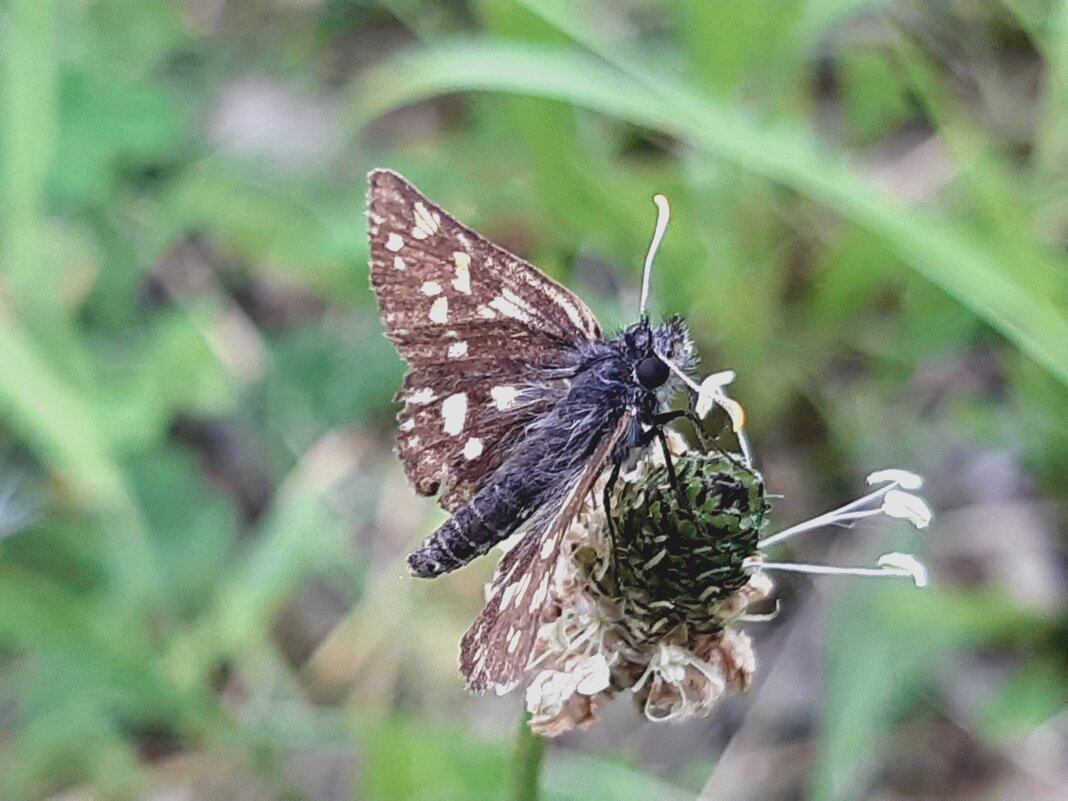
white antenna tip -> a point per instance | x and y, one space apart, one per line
662 217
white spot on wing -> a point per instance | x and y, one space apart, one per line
398 263
486 313
513 639
561 299
518 300
394 242
569 309
506 596
504 397
430 288
407 425
472 448
521 588
540 594
454 413
439 310
457 350
426 222
462 281
421 397
509 309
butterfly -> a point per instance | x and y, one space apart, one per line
515 405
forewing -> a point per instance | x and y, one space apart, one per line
438 283
496 650
480 328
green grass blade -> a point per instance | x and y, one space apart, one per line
35 400
949 258
29 133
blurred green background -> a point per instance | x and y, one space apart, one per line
202 591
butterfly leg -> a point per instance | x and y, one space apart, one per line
670 466
686 414
613 479
656 431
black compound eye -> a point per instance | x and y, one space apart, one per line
651 372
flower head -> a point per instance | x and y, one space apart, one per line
651 592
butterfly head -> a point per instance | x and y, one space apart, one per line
652 352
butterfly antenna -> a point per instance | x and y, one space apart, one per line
663 214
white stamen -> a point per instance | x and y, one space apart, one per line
733 408
906 506
893 565
893 503
908 565
903 478
711 393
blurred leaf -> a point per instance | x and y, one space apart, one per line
1034 695
60 428
871 669
322 380
111 126
300 534
873 99
173 369
577 777
269 225
192 526
1052 144
408 762
726 47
